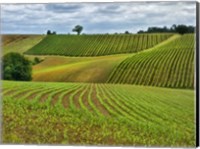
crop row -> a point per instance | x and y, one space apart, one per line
95 45
116 101
171 65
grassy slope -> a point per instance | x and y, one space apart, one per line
96 45
170 64
136 115
76 69
19 43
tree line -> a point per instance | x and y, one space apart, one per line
181 29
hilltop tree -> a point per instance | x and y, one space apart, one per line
16 67
48 32
54 33
126 32
78 29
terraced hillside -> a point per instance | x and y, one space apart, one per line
78 113
19 43
96 45
169 65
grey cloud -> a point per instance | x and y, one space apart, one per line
95 17
63 8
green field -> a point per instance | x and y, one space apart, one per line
168 65
95 45
76 69
19 43
135 89
79 113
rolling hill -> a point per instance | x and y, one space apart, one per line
170 64
95 45
76 69
19 43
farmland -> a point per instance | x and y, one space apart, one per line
19 43
169 65
95 45
76 69
102 90
85 113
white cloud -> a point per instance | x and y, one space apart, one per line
95 17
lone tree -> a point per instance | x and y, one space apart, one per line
48 32
16 67
78 29
126 32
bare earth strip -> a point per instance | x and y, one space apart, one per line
85 99
66 101
97 103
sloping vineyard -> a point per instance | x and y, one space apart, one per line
147 109
95 45
171 65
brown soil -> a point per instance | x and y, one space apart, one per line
76 98
97 103
21 94
85 99
44 96
9 92
66 101
55 97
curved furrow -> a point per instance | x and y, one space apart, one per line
65 93
44 95
145 107
85 99
76 97
81 103
119 109
148 106
132 108
104 101
22 91
91 100
97 102
56 96
30 94
68 97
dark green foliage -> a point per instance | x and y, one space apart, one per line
54 33
126 32
51 33
181 29
16 67
36 61
48 32
78 29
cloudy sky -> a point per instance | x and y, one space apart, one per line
94 17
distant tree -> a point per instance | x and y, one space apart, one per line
173 28
126 32
36 61
140 32
16 67
48 32
78 29
182 29
54 33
